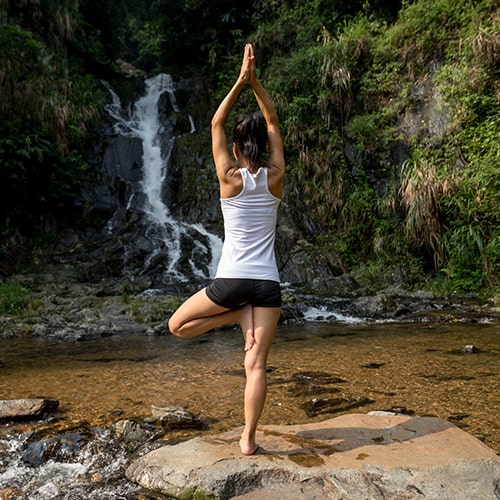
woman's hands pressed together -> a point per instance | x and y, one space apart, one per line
248 72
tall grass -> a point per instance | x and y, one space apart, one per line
420 194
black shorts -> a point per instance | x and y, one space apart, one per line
235 292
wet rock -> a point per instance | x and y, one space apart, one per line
423 295
291 313
322 406
344 285
398 410
458 417
72 311
318 377
61 448
373 366
349 457
319 387
305 263
13 409
373 306
78 333
314 383
128 430
175 417
49 443
469 349
402 311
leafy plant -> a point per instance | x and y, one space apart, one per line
14 299
464 249
45 117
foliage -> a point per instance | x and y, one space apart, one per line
14 299
164 37
353 86
343 76
53 20
466 220
102 28
389 112
45 117
464 248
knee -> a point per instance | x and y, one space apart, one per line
255 364
174 328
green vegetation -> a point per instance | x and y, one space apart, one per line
193 494
389 109
151 309
44 120
385 190
14 299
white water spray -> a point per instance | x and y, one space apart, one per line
142 122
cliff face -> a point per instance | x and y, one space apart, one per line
115 202
117 234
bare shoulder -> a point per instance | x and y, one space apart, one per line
230 182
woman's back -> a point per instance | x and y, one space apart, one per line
249 227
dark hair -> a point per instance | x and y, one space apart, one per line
250 136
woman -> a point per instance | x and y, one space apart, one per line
246 288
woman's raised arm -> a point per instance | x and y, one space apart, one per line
222 157
276 161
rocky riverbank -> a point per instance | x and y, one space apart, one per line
67 309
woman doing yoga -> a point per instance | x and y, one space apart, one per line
246 289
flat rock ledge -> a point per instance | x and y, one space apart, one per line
351 457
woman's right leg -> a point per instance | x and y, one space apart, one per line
199 314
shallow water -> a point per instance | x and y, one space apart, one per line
416 367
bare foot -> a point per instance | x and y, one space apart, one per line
248 447
246 324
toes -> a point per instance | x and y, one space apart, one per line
249 340
246 324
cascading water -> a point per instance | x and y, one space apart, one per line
25 473
182 251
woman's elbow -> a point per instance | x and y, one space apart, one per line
217 122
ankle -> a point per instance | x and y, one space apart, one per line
247 444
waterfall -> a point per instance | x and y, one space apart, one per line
183 251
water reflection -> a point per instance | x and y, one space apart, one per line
417 367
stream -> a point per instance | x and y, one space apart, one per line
317 370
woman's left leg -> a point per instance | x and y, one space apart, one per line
199 314
265 322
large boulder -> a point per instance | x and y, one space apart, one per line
376 456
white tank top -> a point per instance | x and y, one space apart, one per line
249 230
